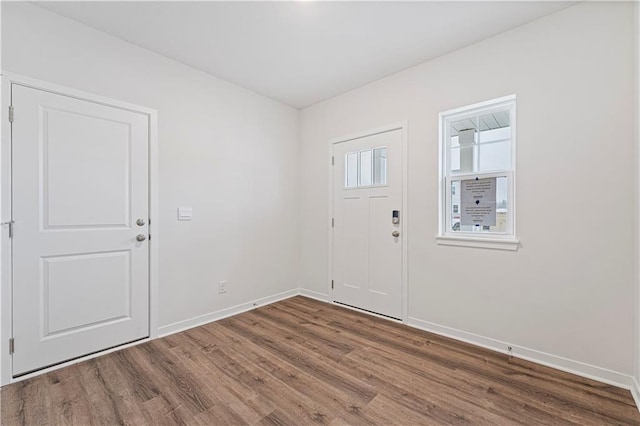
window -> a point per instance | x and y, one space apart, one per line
366 168
477 179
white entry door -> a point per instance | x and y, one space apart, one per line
367 232
79 184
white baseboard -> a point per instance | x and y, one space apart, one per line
315 295
635 392
564 364
223 313
600 374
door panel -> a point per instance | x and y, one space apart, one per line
80 181
107 299
101 197
355 242
367 258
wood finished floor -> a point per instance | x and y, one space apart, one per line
299 362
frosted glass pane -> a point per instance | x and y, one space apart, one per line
494 156
351 170
380 166
365 168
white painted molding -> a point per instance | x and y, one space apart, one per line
315 295
635 392
564 364
223 313
489 243
578 368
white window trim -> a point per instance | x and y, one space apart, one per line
506 241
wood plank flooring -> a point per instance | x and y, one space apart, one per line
299 362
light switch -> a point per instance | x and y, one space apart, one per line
185 213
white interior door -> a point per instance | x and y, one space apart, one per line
79 184
367 244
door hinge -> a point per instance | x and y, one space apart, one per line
10 113
331 284
10 224
333 160
12 346
333 222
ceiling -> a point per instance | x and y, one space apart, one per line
302 52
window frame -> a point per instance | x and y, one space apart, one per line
496 240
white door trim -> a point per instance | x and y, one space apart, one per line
403 126
6 325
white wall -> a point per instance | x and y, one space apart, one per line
227 152
636 353
568 291
234 156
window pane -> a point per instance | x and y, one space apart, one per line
495 156
351 170
365 168
454 141
495 135
501 209
455 205
455 159
466 159
466 150
380 166
494 120
461 126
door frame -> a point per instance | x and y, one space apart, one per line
6 194
403 126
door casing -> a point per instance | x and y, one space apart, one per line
6 193
403 127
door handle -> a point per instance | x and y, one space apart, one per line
141 237
140 222
395 234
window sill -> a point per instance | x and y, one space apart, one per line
478 242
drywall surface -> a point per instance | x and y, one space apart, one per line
568 290
228 153
636 357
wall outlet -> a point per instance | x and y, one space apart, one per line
222 287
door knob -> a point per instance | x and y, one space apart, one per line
140 222
395 234
141 237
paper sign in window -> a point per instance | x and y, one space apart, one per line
478 202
